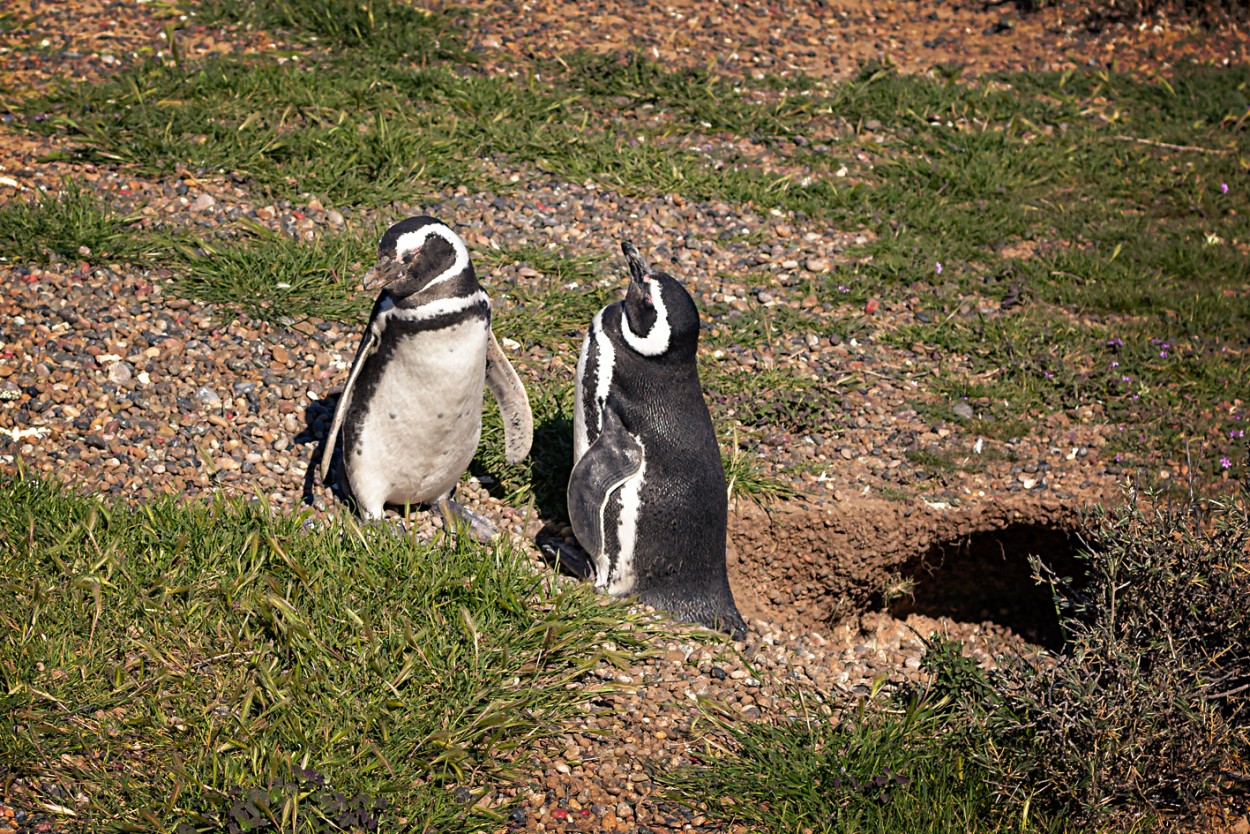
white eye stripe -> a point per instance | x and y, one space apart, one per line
655 342
412 241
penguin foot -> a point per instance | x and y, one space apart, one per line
481 528
568 558
393 527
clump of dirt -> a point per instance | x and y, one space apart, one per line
807 567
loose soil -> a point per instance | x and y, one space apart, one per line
806 568
840 586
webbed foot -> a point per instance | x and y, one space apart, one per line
568 558
481 528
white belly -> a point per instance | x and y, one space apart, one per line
424 419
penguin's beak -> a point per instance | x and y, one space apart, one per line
380 276
638 269
370 281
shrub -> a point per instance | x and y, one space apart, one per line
1145 713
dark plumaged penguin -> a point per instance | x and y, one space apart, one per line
411 412
647 497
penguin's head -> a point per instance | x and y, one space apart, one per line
660 318
415 254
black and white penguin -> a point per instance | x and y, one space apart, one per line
646 497
411 412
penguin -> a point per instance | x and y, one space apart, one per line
410 415
646 497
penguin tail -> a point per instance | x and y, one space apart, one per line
716 611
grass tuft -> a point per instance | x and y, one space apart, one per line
880 767
384 29
745 478
280 278
73 224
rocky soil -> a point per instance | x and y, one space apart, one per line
112 383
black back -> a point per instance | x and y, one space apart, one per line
679 558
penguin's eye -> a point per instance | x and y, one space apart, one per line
408 257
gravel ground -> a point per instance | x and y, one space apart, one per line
112 383
831 39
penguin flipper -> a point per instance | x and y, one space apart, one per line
612 459
514 403
368 346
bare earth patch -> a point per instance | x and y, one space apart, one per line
832 40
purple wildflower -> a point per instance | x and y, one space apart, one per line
939 267
1225 463
1223 188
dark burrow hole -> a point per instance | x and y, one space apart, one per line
986 577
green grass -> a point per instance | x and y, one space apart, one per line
73 224
702 101
1136 371
880 767
388 30
759 325
795 404
277 277
161 657
330 131
960 169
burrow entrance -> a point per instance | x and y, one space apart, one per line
807 569
987 577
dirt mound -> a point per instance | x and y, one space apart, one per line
807 567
